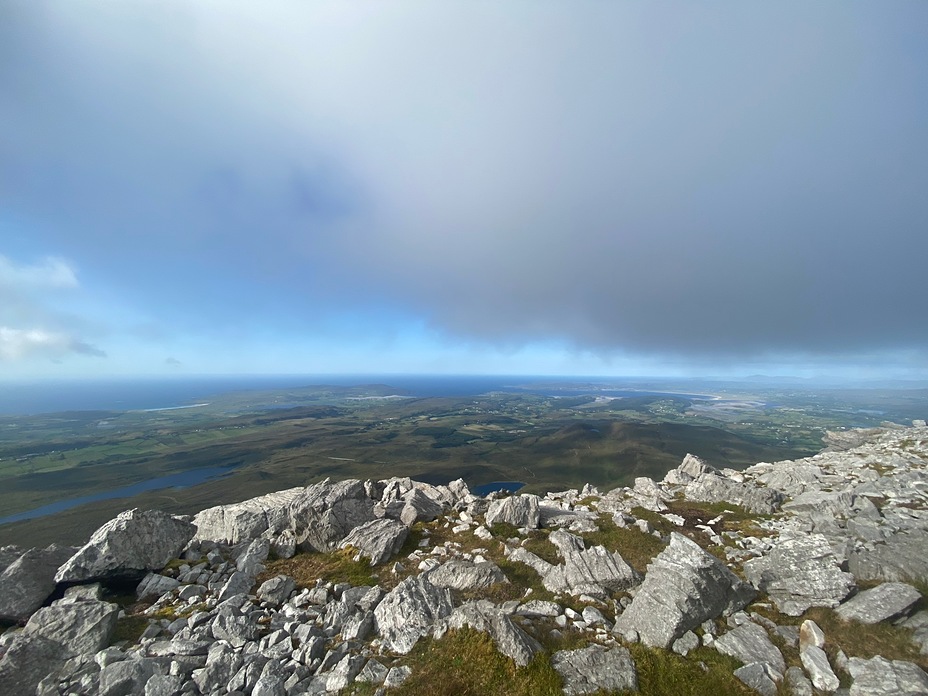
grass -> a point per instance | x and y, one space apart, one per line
636 547
335 566
466 663
129 629
664 673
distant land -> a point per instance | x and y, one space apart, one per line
73 454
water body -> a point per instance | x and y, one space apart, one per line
487 488
181 480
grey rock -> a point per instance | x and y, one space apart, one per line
816 664
811 634
164 685
154 585
396 676
713 488
881 677
125 677
482 615
238 522
234 629
466 575
796 683
134 542
81 627
683 587
418 507
881 603
901 557
595 668
539 565
691 467
324 513
539 607
591 571
377 540
750 643
517 510
757 676
28 580
28 660
276 590
251 560
800 572
409 611
372 673
238 583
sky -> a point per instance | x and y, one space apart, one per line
527 187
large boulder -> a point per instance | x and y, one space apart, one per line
899 558
594 668
594 571
800 572
750 643
881 677
129 546
417 506
683 587
482 615
27 661
324 513
409 611
517 510
29 580
377 540
714 488
459 574
238 522
81 627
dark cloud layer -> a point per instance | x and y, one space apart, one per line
714 183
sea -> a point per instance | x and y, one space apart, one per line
52 396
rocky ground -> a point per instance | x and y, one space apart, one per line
795 577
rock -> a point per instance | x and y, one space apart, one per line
377 540
276 590
750 643
796 683
757 676
713 488
29 659
482 615
127 546
591 571
154 585
28 580
81 627
683 587
418 507
900 558
517 510
238 522
409 611
164 685
233 628
373 673
880 677
816 664
250 562
685 643
396 676
539 607
881 603
691 467
800 572
596 668
125 678
324 513
466 575
811 634
539 565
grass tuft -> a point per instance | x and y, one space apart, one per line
334 566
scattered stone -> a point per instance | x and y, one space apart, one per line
796 683
466 575
517 510
818 668
750 643
596 668
276 590
685 643
154 585
134 542
683 587
811 634
758 676
881 603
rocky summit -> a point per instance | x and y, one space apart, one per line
791 577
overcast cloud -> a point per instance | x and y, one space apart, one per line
705 182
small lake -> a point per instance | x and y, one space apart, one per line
181 480
487 488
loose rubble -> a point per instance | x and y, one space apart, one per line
213 619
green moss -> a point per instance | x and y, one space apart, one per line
129 629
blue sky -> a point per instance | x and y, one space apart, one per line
463 187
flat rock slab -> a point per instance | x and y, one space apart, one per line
81 627
881 677
409 611
134 542
799 573
683 587
466 575
882 603
750 643
238 522
596 668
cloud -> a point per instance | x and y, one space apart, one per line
736 183
51 272
172 362
20 344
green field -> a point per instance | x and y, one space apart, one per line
550 443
